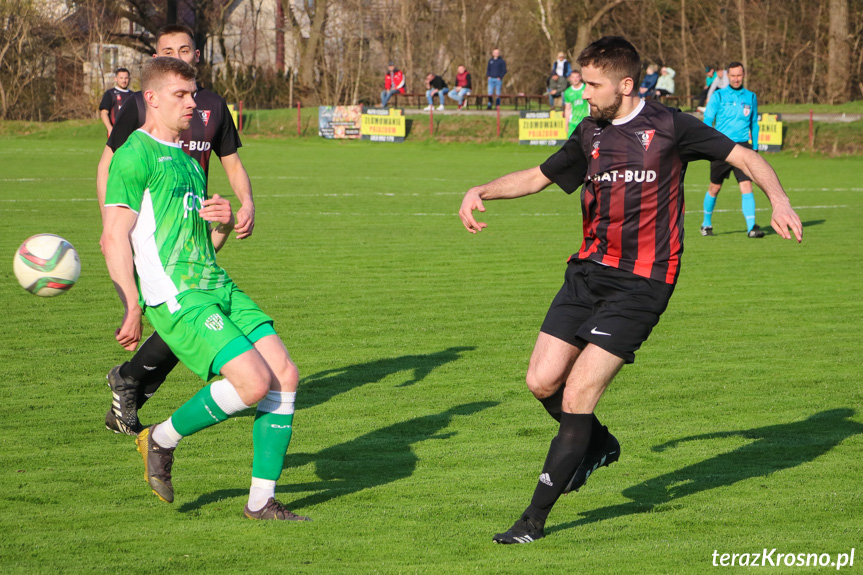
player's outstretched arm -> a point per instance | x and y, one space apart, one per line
117 223
514 185
102 178
784 217
218 210
242 187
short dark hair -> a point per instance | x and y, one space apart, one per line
155 69
172 29
118 70
614 56
736 65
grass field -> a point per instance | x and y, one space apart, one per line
415 438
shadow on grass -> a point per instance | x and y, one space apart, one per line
320 387
376 458
767 229
774 448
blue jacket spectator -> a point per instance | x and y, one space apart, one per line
649 82
495 71
561 66
496 66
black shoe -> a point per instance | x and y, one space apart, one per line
123 415
157 465
592 461
117 426
706 230
755 232
524 530
273 510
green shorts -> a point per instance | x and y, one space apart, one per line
211 327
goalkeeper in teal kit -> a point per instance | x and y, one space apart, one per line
160 251
734 111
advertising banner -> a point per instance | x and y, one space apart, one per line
769 132
383 124
542 128
339 122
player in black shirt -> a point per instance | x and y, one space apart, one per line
629 157
212 130
114 98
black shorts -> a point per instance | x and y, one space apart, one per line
612 309
720 170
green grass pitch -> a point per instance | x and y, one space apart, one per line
416 439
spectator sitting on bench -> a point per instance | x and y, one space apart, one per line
648 85
435 85
561 66
665 83
462 86
394 83
556 86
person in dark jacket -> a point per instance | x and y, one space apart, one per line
436 86
495 71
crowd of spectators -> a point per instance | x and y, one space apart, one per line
657 83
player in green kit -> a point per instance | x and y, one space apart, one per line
575 108
160 252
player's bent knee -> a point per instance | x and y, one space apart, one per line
288 375
539 384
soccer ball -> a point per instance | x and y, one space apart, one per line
47 265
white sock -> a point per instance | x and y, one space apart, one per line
261 492
226 397
165 435
281 402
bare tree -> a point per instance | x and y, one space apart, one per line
838 61
26 58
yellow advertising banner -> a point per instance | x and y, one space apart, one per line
542 128
769 132
383 125
233 109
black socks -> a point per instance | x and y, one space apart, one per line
564 456
150 365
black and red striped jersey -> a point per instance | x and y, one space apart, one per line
631 171
113 100
212 128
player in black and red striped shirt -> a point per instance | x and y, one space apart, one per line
114 98
629 156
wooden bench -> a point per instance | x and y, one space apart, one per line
409 99
680 101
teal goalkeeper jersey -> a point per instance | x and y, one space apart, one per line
171 242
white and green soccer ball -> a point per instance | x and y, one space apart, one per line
47 265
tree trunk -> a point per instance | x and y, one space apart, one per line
687 77
310 52
838 59
741 21
815 55
587 23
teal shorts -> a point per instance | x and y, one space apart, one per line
211 328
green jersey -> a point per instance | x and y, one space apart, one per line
171 242
578 107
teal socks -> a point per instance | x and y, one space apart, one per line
747 204
709 204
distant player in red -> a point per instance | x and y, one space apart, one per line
629 157
114 98
211 130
